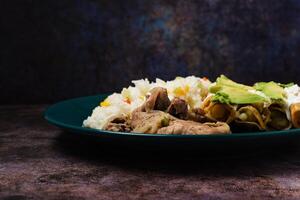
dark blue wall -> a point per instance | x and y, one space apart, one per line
51 50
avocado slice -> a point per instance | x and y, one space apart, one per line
237 96
271 90
230 92
224 81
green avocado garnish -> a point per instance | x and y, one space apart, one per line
230 92
237 96
224 81
271 90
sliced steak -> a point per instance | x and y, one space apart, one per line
157 100
149 122
184 127
178 108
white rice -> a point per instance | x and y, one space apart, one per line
293 94
192 89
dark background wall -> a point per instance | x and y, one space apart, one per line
52 50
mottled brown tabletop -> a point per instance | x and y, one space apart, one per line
39 161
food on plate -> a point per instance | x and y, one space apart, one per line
161 117
190 89
196 106
259 107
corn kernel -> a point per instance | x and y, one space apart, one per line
127 100
104 103
179 91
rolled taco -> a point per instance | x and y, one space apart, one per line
248 118
217 111
293 100
278 119
295 114
230 100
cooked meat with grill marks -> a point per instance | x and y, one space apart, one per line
183 127
118 124
149 122
158 100
163 123
178 108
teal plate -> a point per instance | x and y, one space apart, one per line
70 114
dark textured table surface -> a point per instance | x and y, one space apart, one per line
39 161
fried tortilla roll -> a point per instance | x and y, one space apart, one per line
295 114
278 119
218 111
264 111
249 119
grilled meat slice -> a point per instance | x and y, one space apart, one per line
178 108
183 127
157 100
149 122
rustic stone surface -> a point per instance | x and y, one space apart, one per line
39 161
